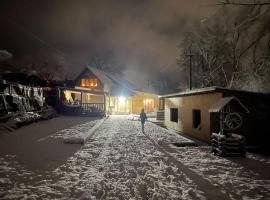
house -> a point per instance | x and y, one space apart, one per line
198 113
99 93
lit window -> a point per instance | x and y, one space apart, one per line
83 83
93 82
89 83
148 104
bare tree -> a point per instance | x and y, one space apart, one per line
227 41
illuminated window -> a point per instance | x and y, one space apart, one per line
89 83
93 82
148 104
83 83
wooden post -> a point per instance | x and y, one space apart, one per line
104 101
81 97
221 122
189 54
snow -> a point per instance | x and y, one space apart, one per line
228 175
119 162
263 159
78 134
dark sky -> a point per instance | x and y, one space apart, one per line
144 34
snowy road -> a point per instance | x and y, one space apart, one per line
120 162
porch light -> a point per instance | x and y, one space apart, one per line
122 100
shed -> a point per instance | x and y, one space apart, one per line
228 111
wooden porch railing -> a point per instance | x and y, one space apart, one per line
93 107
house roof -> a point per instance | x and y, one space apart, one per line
119 86
225 101
207 90
100 75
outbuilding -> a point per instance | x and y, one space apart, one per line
197 113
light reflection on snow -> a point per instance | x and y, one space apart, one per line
119 162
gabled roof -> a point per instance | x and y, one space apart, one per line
100 75
119 86
225 101
122 81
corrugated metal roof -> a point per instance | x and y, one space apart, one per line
223 102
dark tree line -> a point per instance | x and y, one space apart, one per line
231 48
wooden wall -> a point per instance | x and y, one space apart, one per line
134 104
185 105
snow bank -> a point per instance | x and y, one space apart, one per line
80 133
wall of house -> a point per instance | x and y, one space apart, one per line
132 104
119 105
90 75
138 102
185 105
92 98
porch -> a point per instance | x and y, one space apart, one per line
78 101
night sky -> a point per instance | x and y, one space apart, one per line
143 34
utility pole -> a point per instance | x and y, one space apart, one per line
189 54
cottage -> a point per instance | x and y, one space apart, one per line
99 93
196 113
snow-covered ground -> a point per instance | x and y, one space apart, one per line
120 162
259 158
233 178
78 133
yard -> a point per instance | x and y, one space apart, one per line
118 161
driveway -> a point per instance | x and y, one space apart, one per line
121 162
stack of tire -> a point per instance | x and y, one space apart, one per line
228 145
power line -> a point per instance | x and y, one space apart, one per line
52 47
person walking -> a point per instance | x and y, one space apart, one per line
143 117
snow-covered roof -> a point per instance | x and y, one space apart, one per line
225 101
119 86
207 90
100 75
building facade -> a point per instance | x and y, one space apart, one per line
100 93
191 113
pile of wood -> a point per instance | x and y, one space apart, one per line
231 145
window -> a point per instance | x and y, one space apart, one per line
89 83
196 118
174 114
148 104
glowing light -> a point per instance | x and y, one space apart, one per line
89 83
148 104
122 100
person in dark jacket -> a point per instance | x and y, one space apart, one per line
143 117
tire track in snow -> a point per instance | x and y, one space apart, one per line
132 168
212 192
